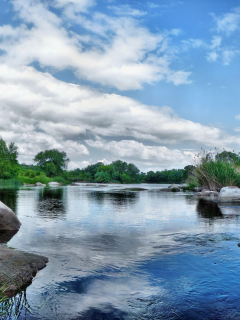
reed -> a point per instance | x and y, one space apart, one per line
213 174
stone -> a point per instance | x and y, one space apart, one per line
229 194
170 189
102 185
135 189
17 268
197 189
28 185
54 184
91 185
39 184
8 220
207 195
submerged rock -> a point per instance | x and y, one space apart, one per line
91 185
8 219
229 194
17 268
102 185
169 189
135 189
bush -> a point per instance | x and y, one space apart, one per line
213 174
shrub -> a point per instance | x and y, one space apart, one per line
213 174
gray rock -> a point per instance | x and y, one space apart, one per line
174 186
54 184
102 185
39 184
207 195
229 194
17 268
91 185
8 220
170 189
28 185
197 189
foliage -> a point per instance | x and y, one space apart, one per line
53 162
8 160
166 176
215 171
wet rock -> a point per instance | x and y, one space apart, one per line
91 185
74 185
102 185
230 210
8 219
6 236
28 185
135 189
229 194
207 195
170 189
17 268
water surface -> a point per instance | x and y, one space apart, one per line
117 254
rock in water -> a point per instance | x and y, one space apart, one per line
8 219
229 194
54 184
17 268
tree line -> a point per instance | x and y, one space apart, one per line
52 165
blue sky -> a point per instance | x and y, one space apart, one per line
146 82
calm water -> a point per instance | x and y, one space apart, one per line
116 254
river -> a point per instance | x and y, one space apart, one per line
118 254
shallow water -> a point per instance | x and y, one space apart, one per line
116 254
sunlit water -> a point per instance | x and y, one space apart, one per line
117 254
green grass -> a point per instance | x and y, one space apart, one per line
214 175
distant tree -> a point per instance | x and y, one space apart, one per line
102 176
228 156
49 159
8 160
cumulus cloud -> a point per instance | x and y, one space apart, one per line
40 112
118 52
136 151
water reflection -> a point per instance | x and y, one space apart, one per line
51 203
9 198
15 308
209 210
118 199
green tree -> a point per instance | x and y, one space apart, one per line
57 158
50 169
102 176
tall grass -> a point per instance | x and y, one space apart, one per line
214 174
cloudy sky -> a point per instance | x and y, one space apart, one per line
148 82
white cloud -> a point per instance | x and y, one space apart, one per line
229 22
48 112
118 52
124 10
156 155
212 56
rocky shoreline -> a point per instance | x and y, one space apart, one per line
17 268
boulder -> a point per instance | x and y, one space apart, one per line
39 184
197 189
54 184
17 268
170 189
207 195
174 186
229 194
8 220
